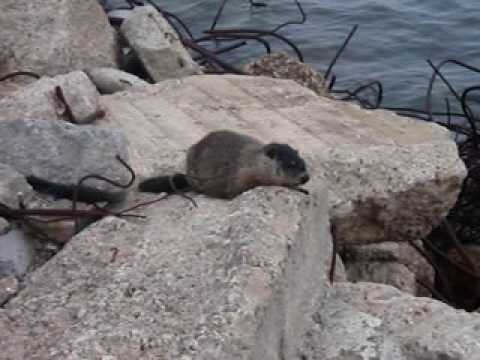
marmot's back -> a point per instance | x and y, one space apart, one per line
215 161
224 164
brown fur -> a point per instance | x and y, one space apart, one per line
224 164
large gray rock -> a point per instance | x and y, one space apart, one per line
63 152
157 45
40 101
228 280
110 80
369 321
53 37
390 178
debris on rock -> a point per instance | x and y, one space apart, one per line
283 66
63 152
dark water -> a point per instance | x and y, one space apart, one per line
392 43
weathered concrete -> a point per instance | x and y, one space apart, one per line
392 263
63 152
390 178
283 66
16 253
53 37
110 80
13 184
157 45
392 273
228 280
9 287
373 321
39 100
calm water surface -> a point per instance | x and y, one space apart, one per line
391 45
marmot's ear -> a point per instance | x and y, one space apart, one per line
271 150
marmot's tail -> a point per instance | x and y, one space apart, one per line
86 194
167 184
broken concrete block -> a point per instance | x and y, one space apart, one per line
390 178
233 281
392 263
63 152
157 45
40 100
374 321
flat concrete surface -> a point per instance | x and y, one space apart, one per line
390 178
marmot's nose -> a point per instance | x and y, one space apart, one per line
304 179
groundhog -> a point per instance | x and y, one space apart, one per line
224 164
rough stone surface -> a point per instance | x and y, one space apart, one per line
9 287
16 253
390 178
373 321
228 280
13 185
396 264
51 37
110 80
281 65
392 273
157 45
39 100
63 152
4 226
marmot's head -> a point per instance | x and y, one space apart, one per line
290 167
